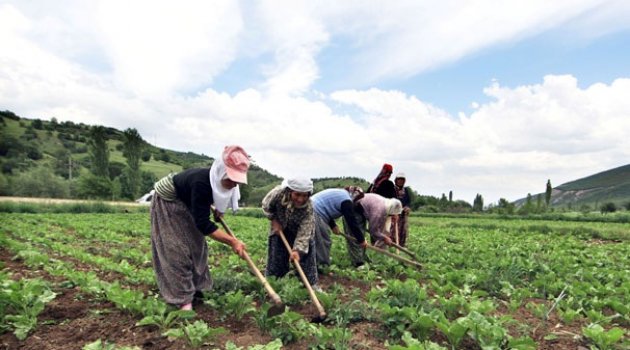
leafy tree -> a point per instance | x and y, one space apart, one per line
132 150
164 157
609 207
245 192
40 182
5 188
450 196
65 166
548 193
116 169
33 152
505 207
29 134
99 152
148 179
146 155
443 201
478 203
528 207
37 124
94 187
539 207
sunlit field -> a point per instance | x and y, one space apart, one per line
78 280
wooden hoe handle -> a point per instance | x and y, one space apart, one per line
296 263
272 294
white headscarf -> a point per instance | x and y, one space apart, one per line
223 197
393 207
298 184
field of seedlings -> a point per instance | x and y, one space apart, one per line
85 281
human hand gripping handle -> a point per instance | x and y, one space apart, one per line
294 255
387 240
275 227
239 247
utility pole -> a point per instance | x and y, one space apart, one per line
70 167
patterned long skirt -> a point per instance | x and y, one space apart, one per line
278 258
179 250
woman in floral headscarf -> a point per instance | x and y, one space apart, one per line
290 210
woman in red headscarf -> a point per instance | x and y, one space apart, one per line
382 184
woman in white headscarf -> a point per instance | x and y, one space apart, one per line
378 213
180 212
290 210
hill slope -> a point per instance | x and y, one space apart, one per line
61 148
607 186
612 185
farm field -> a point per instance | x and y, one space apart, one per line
74 281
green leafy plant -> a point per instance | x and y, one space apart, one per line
568 315
262 319
336 338
415 344
126 299
104 345
234 304
454 331
602 339
522 343
166 319
486 331
289 326
197 333
276 344
22 301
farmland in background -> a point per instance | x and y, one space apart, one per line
76 280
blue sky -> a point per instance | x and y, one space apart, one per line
489 97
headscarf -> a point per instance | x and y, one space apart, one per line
297 185
223 197
386 172
400 190
356 192
393 207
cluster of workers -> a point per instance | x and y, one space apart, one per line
180 220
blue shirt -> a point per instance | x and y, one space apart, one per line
327 203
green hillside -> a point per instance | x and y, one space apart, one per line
58 153
610 186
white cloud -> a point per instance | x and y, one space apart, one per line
408 37
157 53
159 47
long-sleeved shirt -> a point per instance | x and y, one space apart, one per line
375 211
193 188
294 221
333 203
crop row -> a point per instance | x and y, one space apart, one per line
487 283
